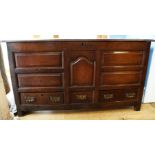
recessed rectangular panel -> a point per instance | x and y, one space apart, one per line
120 78
122 58
40 80
48 59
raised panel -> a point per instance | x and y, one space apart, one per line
40 80
48 59
122 58
120 78
82 72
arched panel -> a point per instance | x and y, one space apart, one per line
82 72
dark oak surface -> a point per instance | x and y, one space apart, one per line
74 74
72 40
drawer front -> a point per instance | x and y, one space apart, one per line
118 95
48 59
81 97
40 80
42 98
122 58
120 78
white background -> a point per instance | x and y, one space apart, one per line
76 19
21 19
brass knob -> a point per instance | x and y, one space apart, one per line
130 95
108 96
54 99
30 99
81 97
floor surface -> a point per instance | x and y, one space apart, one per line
147 113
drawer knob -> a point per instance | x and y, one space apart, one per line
81 97
54 99
108 96
30 99
130 95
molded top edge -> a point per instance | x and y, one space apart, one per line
95 40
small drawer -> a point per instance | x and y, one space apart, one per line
117 95
42 98
39 59
81 97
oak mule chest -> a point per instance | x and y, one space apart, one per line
76 74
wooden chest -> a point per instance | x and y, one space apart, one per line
75 74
